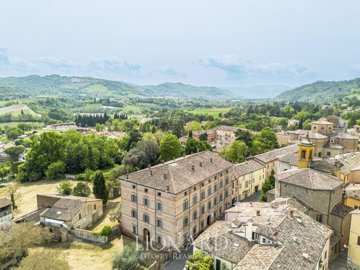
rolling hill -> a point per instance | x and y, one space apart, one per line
322 91
55 85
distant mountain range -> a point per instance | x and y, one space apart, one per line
55 85
322 91
60 86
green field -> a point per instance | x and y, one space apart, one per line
17 110
210 111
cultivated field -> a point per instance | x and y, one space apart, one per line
210 111
18 109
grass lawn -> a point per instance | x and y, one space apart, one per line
105 221
28 191
82 256
210 111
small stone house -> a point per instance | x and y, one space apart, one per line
5 209
69 211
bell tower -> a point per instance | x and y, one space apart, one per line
306 151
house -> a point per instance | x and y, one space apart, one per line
69 211
352 195
354 239
347 167
323 194
330 138
170 202
276 235
271 159
5 210
217 137
250 176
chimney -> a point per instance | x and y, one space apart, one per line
291 213
193 168
150 170
165 176
167 188
211 160
200 164
258 212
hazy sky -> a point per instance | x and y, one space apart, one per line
213 42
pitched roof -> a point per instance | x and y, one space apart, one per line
291 159
277 153
247 167
322 121
309 178
353 191
178 175
219 235
4 202
341 210
346 162
298 240
66 208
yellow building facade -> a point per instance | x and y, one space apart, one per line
305 154
250 176
354 239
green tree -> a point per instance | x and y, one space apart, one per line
200 261
235 152
191 146
193 126
19 238
129 258
55 170
64 187
99 189
81 189
170 147
13 133
264 141
269 184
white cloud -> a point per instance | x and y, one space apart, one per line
239 69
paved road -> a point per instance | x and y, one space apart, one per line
339 262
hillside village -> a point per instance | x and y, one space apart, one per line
267 207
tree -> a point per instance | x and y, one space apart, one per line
193 126
129 258
269 184
55 170
99 189
16 240
191 146
235 152
44 260
12 191
81 189
115 214
14 153
200 261
264 141
13 133
170 147
65 188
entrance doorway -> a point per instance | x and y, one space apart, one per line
146 235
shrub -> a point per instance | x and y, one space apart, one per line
106 231
55 170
